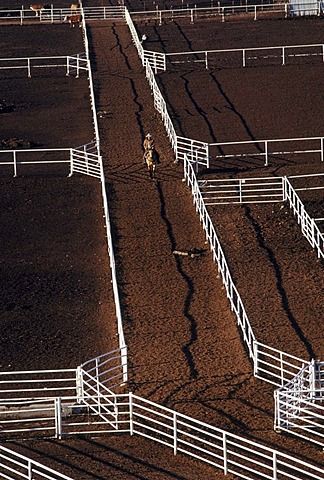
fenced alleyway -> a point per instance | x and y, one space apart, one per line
184 348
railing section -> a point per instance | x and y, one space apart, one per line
110 248
230 453
308 225
14 466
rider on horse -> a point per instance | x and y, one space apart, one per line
148 142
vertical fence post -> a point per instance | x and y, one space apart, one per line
22 15
322 149
240 189
67 66
223 14
15 163
160 18
243 59
71 163
98 386
131 428
323 53
274 466
283 56
225 453
206 60
79 385
58 418
281 369
255 12
191 16
284 188
78 66
175 433
266 152
256 358
286 10
30 470
28 67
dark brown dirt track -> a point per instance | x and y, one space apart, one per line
184 349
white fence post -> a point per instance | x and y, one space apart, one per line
206 60
274 465
28 67
30 470
175 433
71 163
15 163
225 453
283 56
131 428
243 59
67 66
322 149
266 152
58 418
255 12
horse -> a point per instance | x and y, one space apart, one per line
73 20
151 159
38 8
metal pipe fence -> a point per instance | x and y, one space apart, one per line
110 248
70 63
243 57
14 466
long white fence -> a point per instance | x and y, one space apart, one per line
230 453
72 64
299 405
128 413
14 466
244 57
110 248
53 15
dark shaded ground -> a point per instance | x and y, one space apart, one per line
184 348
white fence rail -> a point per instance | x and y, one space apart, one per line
14 466
279 10
75 64
308 225
57 15
245 57
110 248
230 453
299 405
268 149
241 190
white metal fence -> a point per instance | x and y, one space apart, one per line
241 190
53 15
14 466
72 64
221 13
110 248
230 453
246 57
308 225
299 405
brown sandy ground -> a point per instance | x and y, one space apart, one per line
178 324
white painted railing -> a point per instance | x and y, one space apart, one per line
14 466
230 453
244 57
299 407
56 15
241 190
308 225
71 63
254 149
111 254
219 12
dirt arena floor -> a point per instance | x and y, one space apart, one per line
184 347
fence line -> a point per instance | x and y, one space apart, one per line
75 62
230 453
16 466
110 248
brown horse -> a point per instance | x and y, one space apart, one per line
151 159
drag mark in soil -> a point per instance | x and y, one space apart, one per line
191 290
184 35
139 109
120 48
199 110
233 108
278 276
160 41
